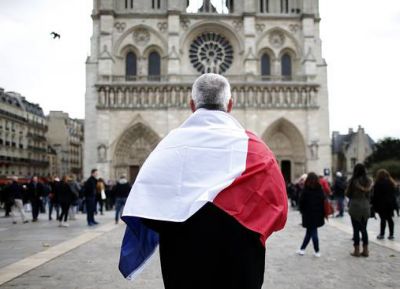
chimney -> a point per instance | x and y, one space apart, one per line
351 131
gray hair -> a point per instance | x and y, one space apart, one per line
211 91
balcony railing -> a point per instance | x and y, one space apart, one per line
136 79
246 95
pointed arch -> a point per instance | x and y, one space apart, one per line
287 143
133 147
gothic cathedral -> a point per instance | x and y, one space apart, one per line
146 54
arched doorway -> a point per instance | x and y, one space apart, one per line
287 143
132 149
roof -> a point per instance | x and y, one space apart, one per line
340 142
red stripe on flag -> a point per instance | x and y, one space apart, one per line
257 198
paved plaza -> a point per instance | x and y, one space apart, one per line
85 258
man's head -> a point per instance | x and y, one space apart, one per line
211 91
94 173
14 178
35 179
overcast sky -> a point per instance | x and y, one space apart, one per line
361 44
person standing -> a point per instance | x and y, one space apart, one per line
90 196
339 188
100 195
311 206
65 199
35 191
210 194
384 201
53 198
17 196
358 192
120 191
75 188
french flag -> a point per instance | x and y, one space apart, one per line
209 158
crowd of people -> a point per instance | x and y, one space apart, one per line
63 198
314 197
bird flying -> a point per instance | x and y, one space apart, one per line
55 35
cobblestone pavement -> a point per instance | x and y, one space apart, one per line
22 240
94 264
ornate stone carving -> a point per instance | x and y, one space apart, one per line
314 150
177 96
277 39
294 27
260 27
211 52
141 36
102 153
237 24
120 26
162 26
185 23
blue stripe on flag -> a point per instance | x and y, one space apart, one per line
138 245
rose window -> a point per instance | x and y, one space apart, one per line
211 52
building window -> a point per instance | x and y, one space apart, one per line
286 63
265 66
131 67
285 6
128 4
264 6
154 66
210 6
211 52
156 4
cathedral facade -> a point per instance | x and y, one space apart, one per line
146 54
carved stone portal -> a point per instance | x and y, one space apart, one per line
133 148
287 143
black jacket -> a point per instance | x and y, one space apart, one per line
312 207
65 196
35 191
122 189
384 198
90 187
15 191
339 187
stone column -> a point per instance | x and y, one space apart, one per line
173 58
249 28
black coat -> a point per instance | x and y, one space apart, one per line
339 187
35 191
90 188
65 196
312 207
384 198
121 190
15 191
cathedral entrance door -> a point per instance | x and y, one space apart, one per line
287 143
133 172
286 168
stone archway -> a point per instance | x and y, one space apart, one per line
287 143
132 149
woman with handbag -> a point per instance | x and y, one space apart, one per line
358 192
384 201
311 206
100 194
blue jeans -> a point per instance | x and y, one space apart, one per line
340 203
311 233
119 205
